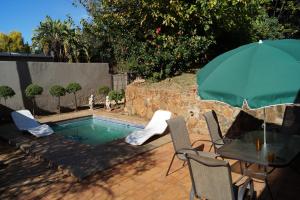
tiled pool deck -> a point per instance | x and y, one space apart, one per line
142 177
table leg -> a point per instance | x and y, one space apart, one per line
267 183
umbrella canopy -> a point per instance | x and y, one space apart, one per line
259 74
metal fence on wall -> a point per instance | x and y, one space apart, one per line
120 81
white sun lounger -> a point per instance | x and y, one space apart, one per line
156 126
24 121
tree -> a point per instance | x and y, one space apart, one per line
55 36
287 13
157 39
73 88
103 91
31 92
13 42
6 92
57 91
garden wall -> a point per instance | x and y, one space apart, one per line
143 100
19 74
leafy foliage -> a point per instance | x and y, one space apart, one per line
72 44
73 87
57 91
13 42
6 92
158 39
103 90
32 90
55 37
287 13
116 96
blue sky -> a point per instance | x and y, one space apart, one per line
25 15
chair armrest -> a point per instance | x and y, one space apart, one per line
248 184
194 151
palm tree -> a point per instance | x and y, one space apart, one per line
54 36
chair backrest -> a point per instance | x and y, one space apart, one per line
214 128
291 120
179 135
211 178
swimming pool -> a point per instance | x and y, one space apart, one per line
94 130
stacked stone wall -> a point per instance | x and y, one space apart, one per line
143 101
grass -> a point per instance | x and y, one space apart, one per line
183 82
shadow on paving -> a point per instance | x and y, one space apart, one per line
80 160
25 176
284 182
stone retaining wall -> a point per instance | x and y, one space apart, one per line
143 101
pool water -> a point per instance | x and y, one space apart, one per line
94 130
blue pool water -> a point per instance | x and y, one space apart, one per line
94 130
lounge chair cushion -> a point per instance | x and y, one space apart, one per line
156 126
25 121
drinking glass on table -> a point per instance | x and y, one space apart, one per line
258 144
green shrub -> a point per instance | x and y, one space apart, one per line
6 92
73 88
57 91
116 96
31 91
103 90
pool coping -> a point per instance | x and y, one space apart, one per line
117 121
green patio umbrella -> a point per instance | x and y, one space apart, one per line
258 75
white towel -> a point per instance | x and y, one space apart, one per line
42 130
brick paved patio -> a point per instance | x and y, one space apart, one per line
142 177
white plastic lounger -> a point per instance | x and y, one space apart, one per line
156 126
24 121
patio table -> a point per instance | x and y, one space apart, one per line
280 150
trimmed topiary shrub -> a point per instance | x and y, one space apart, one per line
57 91
6 92
31 91
73 88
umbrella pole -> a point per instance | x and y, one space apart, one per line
265 138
